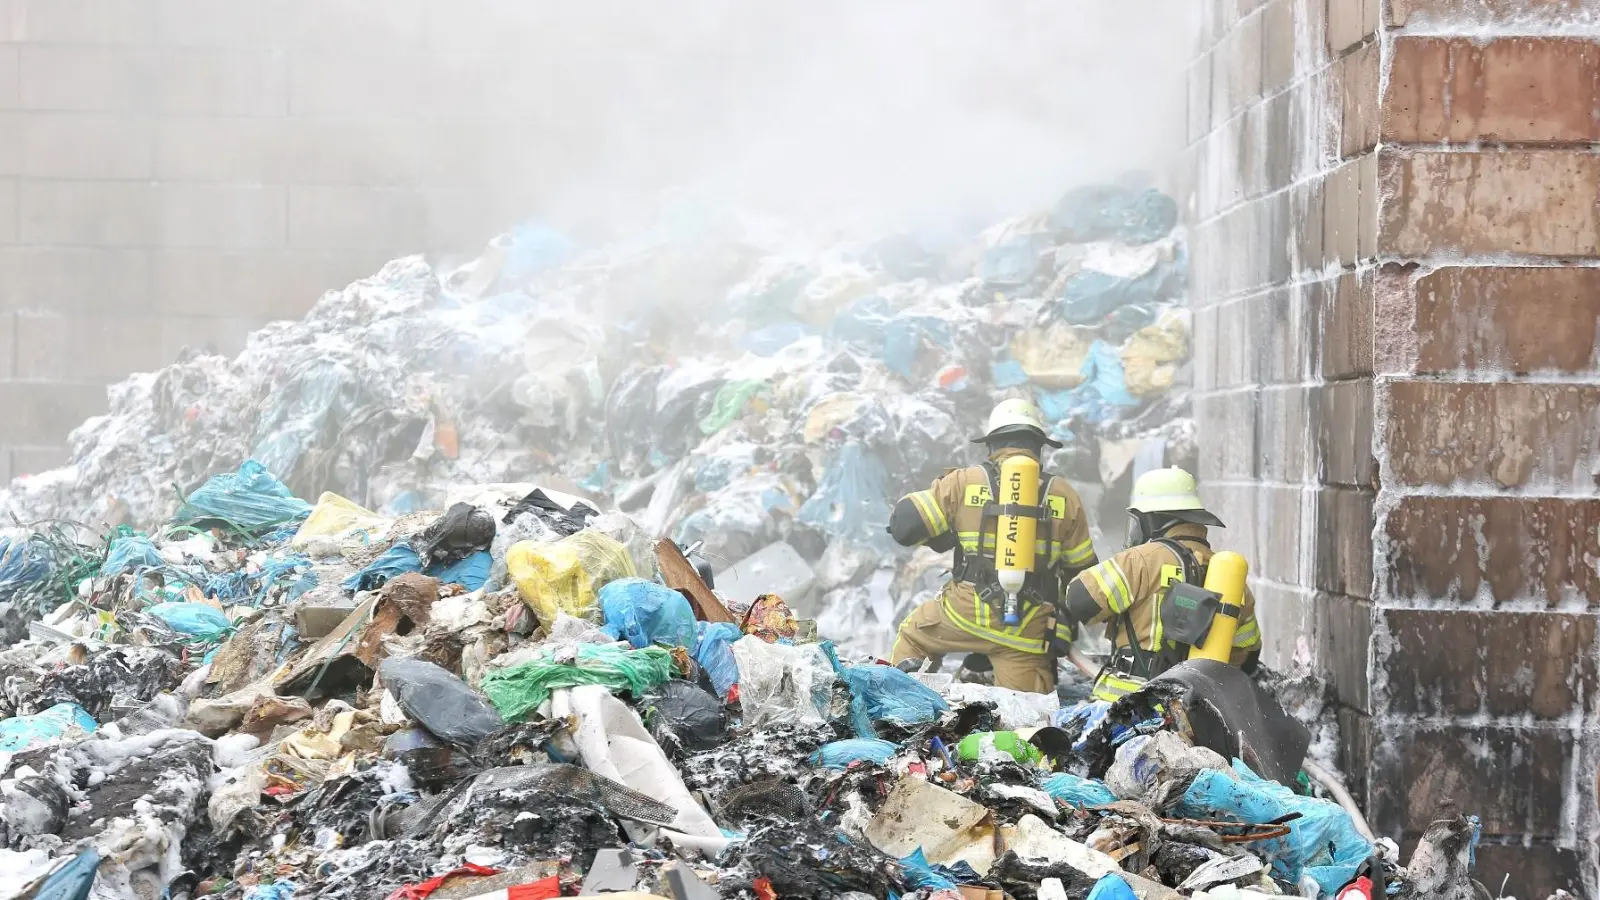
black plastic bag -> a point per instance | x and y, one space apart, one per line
685 715
462 531
561 520
440 702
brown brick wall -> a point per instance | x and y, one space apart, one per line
1443 233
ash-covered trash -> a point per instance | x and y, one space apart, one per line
489 661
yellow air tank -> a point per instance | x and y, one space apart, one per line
1225 576
1015 535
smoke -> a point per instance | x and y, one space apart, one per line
862 115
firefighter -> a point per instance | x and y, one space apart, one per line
959 512
1167 543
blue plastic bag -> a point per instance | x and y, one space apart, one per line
251 499
471 572
1013 260
1007 373
850 502
1066 787
395 561
306 410
714 653
130 553
1102 212
840 754
886 694
533 248
1090 712
197 620
1089 296
769 340
20 563
20 733
923 875
278 890
645 613
1112 887
862 321
1322 842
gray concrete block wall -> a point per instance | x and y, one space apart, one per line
179 172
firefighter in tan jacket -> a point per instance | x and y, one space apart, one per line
959 513
1166 544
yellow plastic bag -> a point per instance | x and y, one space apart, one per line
604 558
334 517
1052 357
1150 357
565 576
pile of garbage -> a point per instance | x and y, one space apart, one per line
524 696
739 385
555 622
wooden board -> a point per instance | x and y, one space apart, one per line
677 573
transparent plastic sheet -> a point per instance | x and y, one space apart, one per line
644 613
782 682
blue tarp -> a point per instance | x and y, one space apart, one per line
1089 296
1013 260
72 881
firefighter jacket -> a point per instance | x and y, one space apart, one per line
1134 582
951 513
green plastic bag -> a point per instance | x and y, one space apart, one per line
990 744
730 403
519 690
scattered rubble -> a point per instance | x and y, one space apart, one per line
493 660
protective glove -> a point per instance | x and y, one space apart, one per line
1063 632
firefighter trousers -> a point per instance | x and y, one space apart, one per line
928 633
